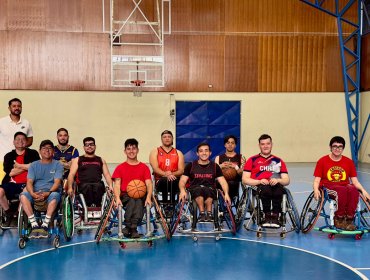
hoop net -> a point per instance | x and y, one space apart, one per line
137 87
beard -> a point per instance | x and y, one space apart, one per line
90 153
64 143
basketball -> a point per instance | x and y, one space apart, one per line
136 189
229 173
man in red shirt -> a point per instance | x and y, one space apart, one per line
269 173
337 173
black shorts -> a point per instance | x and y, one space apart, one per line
204 191
12 190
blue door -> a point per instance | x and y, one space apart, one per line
206 121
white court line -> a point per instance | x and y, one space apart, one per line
362 268
40 252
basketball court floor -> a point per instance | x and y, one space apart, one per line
298 256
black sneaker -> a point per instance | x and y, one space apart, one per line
35 232
202 217
8 220
44 232
275 223
126 232
266 221
134 233
209 217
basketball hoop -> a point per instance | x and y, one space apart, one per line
137 87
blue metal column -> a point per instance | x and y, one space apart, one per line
350 50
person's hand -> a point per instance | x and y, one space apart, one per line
264 182
273 181
118 202
70 192
366 195
38 196
227 199
148 201
316 194
170 176
182 196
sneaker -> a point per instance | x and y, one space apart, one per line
8 220
202 217
126 232
266 221
349 224
34 232
275 220
339 222
134 233
44 232
209 217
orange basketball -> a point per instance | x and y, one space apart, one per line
136 189
229 173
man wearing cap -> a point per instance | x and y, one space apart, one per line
16 164
168 165
44 186
11 124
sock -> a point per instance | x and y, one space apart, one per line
46 222
32 221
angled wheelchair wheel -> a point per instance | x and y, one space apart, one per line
364 212
104 218
23 225
227 213
311 212
293 212
241 211
67 218
161 215
175 219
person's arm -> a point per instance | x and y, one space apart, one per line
117 191
149 189
71 175
284 180
154 163
247 180
29 188
107 175
316 187
358 186
180 165
225 187
182 187
29 141
18 169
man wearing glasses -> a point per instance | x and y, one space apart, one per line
87 170
337 173
43 186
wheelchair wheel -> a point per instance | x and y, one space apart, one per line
293 211
104 218
175 219
364 212
160 213
227 213
242 209
311 212
68 218
23 225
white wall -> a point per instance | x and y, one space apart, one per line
301 124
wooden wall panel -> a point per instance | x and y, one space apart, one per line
26 15
3 15
206 63
241 63
92 15
334 81
4 73
365 62
64 15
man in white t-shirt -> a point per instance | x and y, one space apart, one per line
9 125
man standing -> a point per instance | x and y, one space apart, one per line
64 152
338 174
132 169
168 165
232 165
43 186
270 175
16 164
11 124
203 175
88 170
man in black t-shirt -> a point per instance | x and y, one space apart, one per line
203 174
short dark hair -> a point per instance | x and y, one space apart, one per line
338 139
264 137
20 133
46 143
232 137
62 129
203 144
166 132
131 142
14 100
86 139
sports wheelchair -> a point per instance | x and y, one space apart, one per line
185 221
288 220
167 198
110 226
325 207
13 206
61 221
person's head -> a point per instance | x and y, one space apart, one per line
131 148
15 106
62 136
46 149
337 145
20 141
265 144
89 145
204 151
230 143
167 138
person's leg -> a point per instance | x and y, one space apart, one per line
353 197
162 187
27 201
339 195
197 195
3 199
137 217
